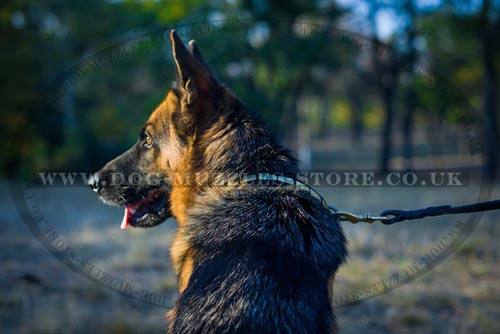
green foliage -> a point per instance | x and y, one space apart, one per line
269 61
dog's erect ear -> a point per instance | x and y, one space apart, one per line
194 77
199 57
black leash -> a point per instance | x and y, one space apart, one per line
390 217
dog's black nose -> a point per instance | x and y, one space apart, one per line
95 182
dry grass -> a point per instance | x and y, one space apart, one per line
40 294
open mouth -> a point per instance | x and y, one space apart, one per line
152 209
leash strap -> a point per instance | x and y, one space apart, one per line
390 217
400 215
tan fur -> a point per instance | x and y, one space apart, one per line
174 162
181 259
331 280
186 271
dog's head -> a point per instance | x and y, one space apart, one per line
141 178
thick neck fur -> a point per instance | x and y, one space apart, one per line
239 141
236 141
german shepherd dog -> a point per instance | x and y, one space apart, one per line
253 257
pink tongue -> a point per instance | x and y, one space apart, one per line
129 211
126 216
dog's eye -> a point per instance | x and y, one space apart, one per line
148 141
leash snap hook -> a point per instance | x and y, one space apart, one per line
353 218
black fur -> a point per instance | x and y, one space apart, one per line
263 254
263 257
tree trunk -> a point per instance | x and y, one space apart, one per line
356 115
386 153
408 129
490 96
304 149
410 92
386 74
325 113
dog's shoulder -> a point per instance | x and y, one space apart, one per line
262 256
274 219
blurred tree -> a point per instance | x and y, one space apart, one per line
462 40
39 42
387 72
354 86
287 70
489 29
410 102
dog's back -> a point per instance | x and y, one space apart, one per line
263 257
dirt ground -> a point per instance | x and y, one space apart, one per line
41 293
